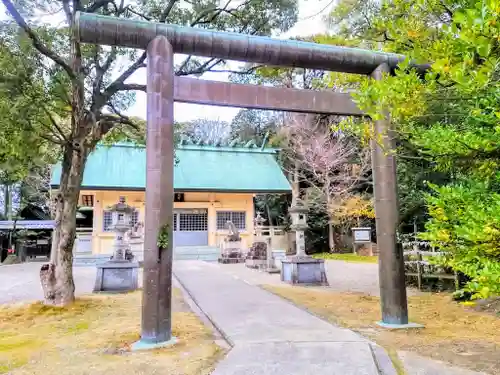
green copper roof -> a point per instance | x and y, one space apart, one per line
200 168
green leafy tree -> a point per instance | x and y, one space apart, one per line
81 91
255 125
25 147
447 118
465 223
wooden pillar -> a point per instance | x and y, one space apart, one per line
157 288
391 262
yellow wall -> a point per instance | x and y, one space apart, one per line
102 242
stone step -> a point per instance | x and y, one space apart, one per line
206 253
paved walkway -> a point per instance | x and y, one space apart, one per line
269 335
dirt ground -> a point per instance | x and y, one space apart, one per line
453 333
94 335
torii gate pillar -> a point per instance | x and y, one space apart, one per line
158 237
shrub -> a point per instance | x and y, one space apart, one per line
465 224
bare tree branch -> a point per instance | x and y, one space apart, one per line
123 119
56 125
35 40
167 10
243 72
67 12
119 83
185 62
131 87
101 70
332 164
131 10
114 87
98 5
205 67
47 136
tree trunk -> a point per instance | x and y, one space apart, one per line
331 229
331 237
295 184
57 276
6 207
268 209
11 244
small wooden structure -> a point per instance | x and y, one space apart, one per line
362 236
417 266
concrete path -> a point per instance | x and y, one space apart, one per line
269 335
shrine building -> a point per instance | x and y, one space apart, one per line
212 184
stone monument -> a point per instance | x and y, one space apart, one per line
135 238
120 273
231 251
301 268
257 256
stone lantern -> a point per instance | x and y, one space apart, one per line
302 268
119 274
121 223
298 212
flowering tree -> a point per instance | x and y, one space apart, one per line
332 164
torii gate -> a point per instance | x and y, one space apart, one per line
161 42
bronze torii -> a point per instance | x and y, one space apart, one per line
161 42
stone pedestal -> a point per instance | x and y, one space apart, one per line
137 248
120 273
303 270
257 256
117 276
255 262
271 266
278 257
231 252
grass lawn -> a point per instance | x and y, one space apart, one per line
347 257
93 336
453 332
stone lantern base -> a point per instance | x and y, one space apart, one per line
303 270
117 277
231 252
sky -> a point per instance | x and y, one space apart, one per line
311 15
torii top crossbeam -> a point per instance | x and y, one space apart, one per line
98 29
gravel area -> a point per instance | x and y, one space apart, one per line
342 276
20 282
